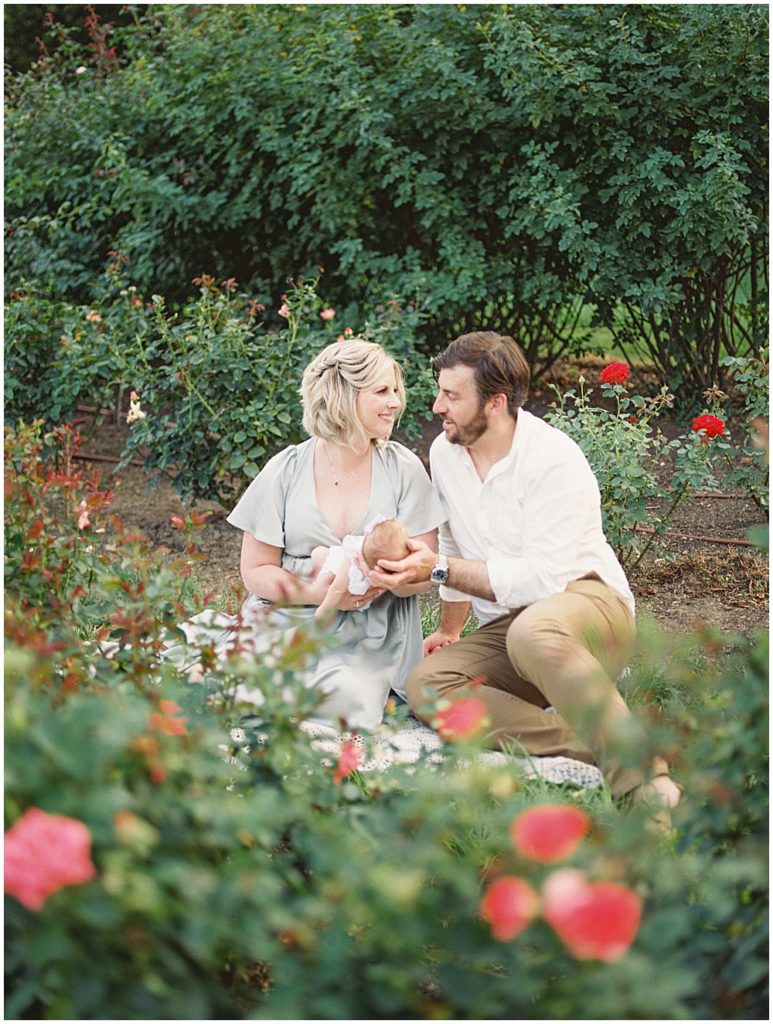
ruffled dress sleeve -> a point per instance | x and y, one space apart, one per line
261 509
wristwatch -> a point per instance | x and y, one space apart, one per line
439 574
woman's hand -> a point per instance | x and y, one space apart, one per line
354 602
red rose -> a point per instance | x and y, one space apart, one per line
549 832
594 920
462 719
508 905
349 760
615 373
43 853
708 425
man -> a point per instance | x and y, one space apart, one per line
524 542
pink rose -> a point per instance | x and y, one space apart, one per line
508 905
462 719
43 853
549 832
284 310
594 920
328 314
349 760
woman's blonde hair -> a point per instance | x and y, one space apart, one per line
331 383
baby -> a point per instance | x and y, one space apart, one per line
382 538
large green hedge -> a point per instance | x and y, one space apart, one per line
508 165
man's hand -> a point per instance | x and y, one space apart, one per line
437 640
414 568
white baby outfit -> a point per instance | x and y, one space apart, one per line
351 548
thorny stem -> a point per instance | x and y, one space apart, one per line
281 376
750 490
657 533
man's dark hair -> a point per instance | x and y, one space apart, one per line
499 364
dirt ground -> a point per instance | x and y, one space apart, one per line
708 574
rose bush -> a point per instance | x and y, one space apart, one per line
236 877
212 389
625 448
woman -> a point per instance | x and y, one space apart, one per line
317 492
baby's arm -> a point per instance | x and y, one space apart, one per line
338 587
318 556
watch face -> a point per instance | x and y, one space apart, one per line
439 575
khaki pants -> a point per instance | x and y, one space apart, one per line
561 652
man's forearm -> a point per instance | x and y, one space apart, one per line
453 615
470 577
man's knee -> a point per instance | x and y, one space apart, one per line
536 639
433 676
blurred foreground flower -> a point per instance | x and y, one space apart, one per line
284 310
328 314
708 425
43 853
549 832
594 920
169 720
462 719
509 905
349 760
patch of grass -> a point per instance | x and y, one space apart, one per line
429 609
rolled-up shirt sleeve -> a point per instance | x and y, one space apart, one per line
534 520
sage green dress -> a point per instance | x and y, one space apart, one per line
373 648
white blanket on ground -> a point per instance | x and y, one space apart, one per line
405 745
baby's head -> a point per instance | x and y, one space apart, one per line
387 540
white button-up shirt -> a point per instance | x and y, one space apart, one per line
535 520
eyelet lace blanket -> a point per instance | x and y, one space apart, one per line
412 741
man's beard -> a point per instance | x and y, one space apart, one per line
468 434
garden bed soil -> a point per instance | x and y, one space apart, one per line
707 573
